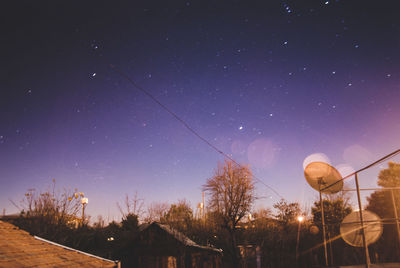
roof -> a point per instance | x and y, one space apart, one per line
186 241
19 249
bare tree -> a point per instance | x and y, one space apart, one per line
100 223
231 196
56 207
50 214
156 211
262 213
132 206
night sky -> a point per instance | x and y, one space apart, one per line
267 82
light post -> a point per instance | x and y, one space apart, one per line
299 219
84 201
109 244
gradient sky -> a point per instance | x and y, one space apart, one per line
268 82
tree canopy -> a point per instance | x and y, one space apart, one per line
335 210
381 203
287 212
231 191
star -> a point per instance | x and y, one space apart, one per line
94 46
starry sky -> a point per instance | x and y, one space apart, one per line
273 84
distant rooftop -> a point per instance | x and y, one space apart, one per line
19 249
186 241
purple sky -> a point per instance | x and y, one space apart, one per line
269 84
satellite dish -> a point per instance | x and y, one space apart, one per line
320 175
351 231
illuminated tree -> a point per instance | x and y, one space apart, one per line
287 212
179 216
53 207
381 203
51 214
334 211
231 192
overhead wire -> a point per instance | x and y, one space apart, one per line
186 125
385 158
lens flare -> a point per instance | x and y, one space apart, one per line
262 153
345 169
317 157
357 155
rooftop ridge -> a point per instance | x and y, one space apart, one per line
74 250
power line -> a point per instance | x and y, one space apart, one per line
130 80
385 158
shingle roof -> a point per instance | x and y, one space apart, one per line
186 241
19 249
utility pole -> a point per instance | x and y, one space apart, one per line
204 209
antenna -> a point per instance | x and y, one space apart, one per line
320 174
351 228
199 211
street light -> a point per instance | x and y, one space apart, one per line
84 201
300 218
109 245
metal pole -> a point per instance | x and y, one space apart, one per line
204 209
396 217
323 227
330 247
83 213
367 261
297 244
